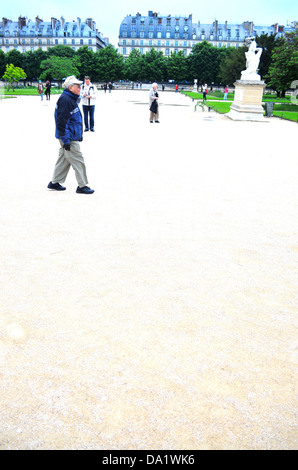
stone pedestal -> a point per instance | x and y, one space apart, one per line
247 104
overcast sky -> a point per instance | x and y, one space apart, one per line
109 14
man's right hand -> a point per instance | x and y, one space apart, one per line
66 146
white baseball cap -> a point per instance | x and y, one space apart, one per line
72 80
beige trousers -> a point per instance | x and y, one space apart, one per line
68 158
154 117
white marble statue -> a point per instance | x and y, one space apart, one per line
253 56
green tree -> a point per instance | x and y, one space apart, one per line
154 66
62 51
232 65
108 65
13 75
134 66
267 43
57 68
177 66
15 57
284 66
203 63
86 59
2 63
32 61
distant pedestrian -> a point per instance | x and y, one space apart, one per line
69 131
40 88
48 90
226 93
205 91
88 93
176 88
110 87
153 103
105 87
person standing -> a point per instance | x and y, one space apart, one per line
205 91
69 132
153 103
88 93
40 88
226 93
48 90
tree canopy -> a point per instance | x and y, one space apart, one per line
206 63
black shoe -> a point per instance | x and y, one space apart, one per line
151 122
86 130
157 122
84 190
56 186
92 130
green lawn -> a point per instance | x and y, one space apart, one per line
288 115
28 91
221 107
283 108
217 95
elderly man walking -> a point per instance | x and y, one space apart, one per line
69 131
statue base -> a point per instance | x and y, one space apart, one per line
247 104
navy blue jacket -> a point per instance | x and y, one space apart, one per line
68 118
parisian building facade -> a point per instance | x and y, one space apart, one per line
26 35
180 33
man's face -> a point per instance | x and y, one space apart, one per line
76 89
87 81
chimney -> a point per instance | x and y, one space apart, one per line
21 22
53 23
62 21
5 21
79 23
37 22
91 23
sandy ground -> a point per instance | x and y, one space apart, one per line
159 312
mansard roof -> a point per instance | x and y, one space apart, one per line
47 28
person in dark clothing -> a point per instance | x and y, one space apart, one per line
48 90
69 132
